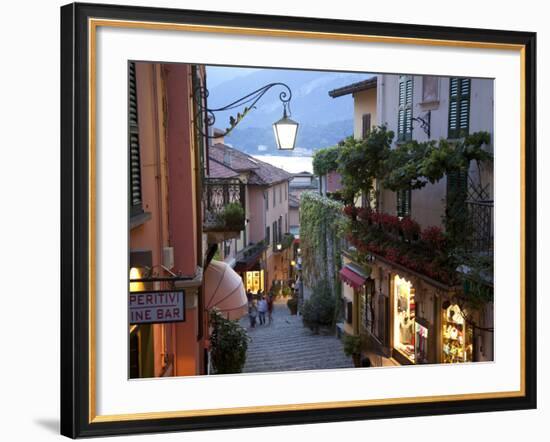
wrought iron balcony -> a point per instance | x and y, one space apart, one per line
480 216
223 206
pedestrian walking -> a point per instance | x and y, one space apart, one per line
262 309
270 308
252 313
249 296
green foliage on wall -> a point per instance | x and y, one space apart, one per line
325 160
363 161
414 164
319 220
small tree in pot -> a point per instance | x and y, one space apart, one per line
228 344
292 305
352 348
318 310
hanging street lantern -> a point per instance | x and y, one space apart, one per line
285 132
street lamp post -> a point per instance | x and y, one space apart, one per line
285 129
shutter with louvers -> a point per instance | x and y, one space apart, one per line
456 211
404 116
349 312
366 125
134 184
459 107
403 202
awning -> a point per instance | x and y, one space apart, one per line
223 289
353 276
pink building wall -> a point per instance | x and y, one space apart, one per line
256 214
181 201
182 207
153 234
168 166
276 263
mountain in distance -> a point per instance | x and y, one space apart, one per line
324 121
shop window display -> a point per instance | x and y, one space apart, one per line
457 336
254 281
404 318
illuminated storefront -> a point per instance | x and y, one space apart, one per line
254 281
457 336
404 329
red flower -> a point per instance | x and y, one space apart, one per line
392 254
362 247
434 237
410 228
390 223
364 213
350 211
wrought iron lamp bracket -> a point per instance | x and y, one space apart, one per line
200 95
425 122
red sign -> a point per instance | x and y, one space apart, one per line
157 306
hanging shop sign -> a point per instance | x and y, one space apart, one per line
156 306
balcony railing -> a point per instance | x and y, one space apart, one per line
480 216
223 205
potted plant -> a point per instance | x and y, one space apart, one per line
352 348
233 214
292 305
286 291
318 310
228 344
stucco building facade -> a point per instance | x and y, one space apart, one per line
404 316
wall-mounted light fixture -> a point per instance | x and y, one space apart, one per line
425 122
285 129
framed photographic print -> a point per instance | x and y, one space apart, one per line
280 220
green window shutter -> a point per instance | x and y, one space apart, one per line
404 116
403 202
134 184
456 210
459 107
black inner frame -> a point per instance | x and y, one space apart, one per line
75 220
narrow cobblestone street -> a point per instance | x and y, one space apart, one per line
286 345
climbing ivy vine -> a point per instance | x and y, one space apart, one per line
320 220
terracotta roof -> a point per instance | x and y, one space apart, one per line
232 158
261 173
369 83
293 201
218 170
